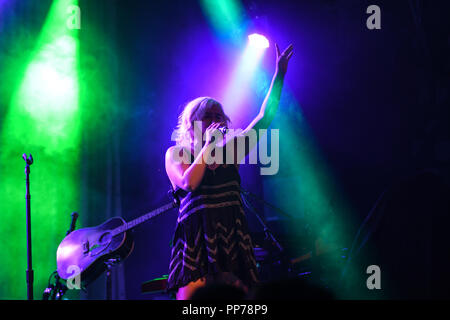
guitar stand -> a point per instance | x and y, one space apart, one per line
109 264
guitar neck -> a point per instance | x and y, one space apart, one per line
134 223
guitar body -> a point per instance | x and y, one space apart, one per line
85 251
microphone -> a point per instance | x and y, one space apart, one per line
223 129
72 224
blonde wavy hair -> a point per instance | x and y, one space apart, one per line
194 111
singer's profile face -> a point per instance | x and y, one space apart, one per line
213 114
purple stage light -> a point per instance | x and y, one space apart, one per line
258 41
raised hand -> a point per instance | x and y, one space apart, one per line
283 58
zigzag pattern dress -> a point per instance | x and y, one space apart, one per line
211 235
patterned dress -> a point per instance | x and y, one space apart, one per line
211 235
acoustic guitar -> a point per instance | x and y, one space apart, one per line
86 252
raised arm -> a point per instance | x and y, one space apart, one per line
270 104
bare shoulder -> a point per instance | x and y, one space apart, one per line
176 155
170 151
174 165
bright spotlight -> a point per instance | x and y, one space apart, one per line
258 41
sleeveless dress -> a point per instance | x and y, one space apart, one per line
211 235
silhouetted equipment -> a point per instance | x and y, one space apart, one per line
157 285
406 235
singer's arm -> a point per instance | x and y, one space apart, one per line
270 104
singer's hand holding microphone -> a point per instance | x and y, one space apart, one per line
209 132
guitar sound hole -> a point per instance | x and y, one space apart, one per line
105 238
102 243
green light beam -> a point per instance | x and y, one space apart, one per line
43 120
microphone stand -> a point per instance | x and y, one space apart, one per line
254 196
268 233
29 272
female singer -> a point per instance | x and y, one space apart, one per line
211 242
